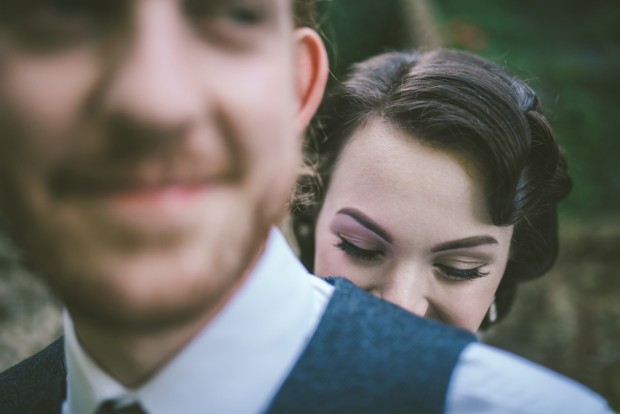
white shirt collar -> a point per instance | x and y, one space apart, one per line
235 364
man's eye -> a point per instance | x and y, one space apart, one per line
454 273
358 253
243 16
235 12
52 24
236 24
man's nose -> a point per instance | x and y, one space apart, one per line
152 82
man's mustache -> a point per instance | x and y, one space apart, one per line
127 156
101 177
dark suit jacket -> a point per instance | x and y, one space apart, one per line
37 384
367 356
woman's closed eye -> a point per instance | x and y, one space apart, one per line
458 274
350 249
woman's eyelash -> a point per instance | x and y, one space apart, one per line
462 274
357 252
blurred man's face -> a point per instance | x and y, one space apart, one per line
147 146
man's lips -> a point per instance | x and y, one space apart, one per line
145 188
151 204
161 199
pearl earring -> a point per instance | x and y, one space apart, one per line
492 312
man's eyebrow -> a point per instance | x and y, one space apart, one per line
236 2
473 241
367 222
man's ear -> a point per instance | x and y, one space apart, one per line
312 70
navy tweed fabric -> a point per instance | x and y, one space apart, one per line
369 356
36 385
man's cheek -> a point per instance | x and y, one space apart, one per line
49 92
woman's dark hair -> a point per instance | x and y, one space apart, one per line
455 101
305 13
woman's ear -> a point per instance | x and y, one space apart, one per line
312 70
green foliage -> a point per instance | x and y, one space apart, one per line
569 51
357 29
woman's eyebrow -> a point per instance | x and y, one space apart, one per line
367 222
464 243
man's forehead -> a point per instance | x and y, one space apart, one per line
20 5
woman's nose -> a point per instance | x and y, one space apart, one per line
408 292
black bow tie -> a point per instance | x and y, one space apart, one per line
114 407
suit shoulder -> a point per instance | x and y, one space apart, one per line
367 355
354 306
37 384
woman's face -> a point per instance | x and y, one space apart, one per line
409 223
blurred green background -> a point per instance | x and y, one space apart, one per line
569 52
